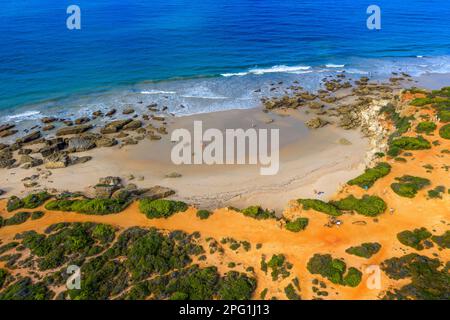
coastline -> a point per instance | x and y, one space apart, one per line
312 159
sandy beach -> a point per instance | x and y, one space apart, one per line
309 160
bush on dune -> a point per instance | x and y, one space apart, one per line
297 225
319 206
161 208
444 132
334 270
368 178
88 206
365 250
415 238
426 127
408 186
259 213
31 201
411 143
370 206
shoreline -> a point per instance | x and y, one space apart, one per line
359 121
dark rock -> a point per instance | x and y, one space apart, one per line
316 123
29 137
111 112
128 111
80 144
6 126
158 192
57 161
48 127
133 125
113 181
115 126
105 142
82 120
73 130
7 133
79 160
47 120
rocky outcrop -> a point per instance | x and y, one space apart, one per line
29 137
80 144
316 123
158 192
115 126
73 130
57 161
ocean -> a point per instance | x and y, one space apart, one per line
204 55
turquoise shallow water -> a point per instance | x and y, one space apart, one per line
197 56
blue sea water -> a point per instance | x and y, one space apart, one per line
203 55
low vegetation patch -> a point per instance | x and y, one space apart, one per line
408 186
334 270
443 241
444 132
426 127
370 206
88 206
31 201
415 239
368 178
429 279
18 218
411 143
161 208
259 213
297 225
320 206
436 193
278 265
365 250
203 214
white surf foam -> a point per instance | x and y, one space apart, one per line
157 92
330 65
27 115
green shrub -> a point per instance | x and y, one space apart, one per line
444 115
14 203
320 206
442 241
436 193
236 286
420 102
408 186
291 293
179 296
37 215
88 206
203 214
415 238
426 127
365 250
411 143
353 277
370 206
297 225
25 289
3 275
368 178
259 213
18 218
444 131
427 280
334 270
161 208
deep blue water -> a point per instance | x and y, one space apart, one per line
125 45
